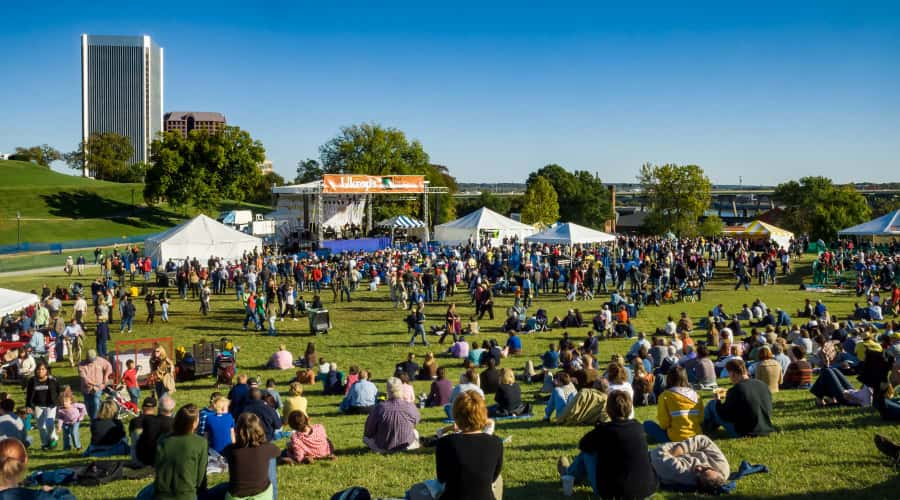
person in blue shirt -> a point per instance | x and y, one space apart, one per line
820 309
563 391
783 318
239 395
37 344
550 359
361 397
513 345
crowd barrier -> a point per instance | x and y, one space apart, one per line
58 247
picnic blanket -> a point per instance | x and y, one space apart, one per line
730 487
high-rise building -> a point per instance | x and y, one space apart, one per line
185 121
122 90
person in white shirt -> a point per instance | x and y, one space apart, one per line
80 307
671 327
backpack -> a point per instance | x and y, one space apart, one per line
97 473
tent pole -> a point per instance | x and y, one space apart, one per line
320 206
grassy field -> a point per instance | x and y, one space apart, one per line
56 207
818 453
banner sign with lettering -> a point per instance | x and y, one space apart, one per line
350 183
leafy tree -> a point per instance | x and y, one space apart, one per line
711 226
262 191
884 204
816 206
582 197
540 203
202 168
677 195
107 156
42 155
308 170
371 149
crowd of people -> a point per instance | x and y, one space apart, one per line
759 349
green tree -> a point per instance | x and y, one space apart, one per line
371 149
881 205
540 203
308 170
202 168
262 191
42 155
711 226
816 206
677 195
582 197
107 156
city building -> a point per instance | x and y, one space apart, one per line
122 90
265 167
185 121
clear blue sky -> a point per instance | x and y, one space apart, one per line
767 92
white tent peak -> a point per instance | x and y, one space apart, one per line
570 234
886 225
12 301
483 219
200 237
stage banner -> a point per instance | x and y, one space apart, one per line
339 183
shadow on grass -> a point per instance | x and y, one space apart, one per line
85 204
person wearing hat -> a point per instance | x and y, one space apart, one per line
867 343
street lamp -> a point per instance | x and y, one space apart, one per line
18 230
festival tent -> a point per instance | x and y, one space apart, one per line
760 230
401 222
482 222
413 227
12 301
570 234
887 225
200 237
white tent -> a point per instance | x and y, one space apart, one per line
199 237
482 222
570 234
12 301
886 225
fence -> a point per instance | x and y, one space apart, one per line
58 247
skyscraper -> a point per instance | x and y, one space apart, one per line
122 90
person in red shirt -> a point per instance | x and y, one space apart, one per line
129 378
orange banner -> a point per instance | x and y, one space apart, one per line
350 183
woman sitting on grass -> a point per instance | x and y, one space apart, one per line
508 397
107 433
248 460
441 388
679 412
469 462
181 459
799 373
308 442
295 400
429 368
13 465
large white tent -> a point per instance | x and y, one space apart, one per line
482 222
570 234
12 301
199 237
887 225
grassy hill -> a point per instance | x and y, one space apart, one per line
56 207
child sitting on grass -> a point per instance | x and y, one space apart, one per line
308 441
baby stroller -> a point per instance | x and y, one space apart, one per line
225 369
120 396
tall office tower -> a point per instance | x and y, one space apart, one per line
122 90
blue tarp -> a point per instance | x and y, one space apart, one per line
361 244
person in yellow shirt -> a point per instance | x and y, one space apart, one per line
679 410
867 344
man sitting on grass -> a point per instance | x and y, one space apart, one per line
745 410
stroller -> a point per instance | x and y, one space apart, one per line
225 369
122 399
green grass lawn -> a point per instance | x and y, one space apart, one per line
56 207
818 453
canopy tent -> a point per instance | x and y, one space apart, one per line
482 222
12 301
200 237
759 229
401 222
888 225
670 236
570 234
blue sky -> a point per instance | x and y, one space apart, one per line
764 91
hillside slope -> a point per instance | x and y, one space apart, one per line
56 207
